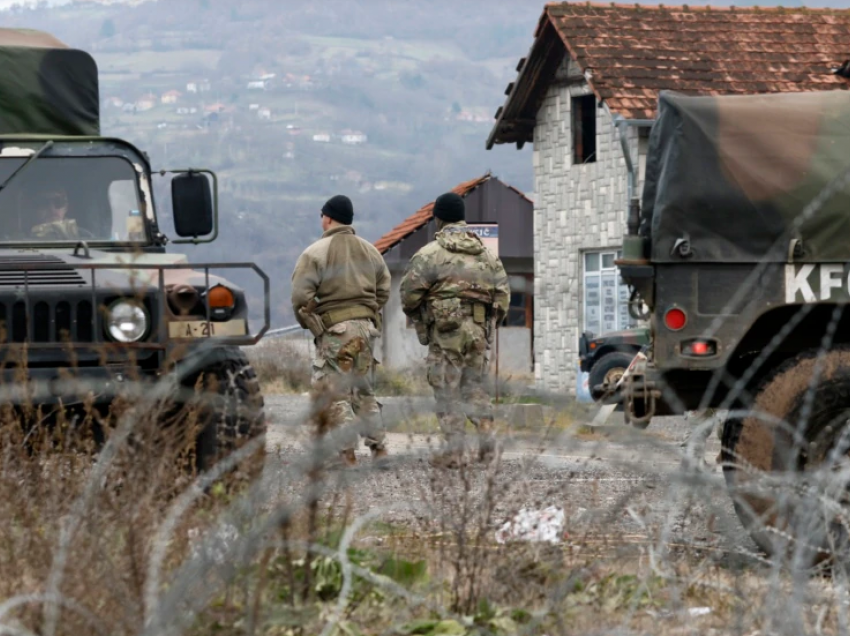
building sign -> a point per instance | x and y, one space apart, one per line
488 233
606 299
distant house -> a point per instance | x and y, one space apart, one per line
322 137
202 86
257 85
146 103
113 102
171 97
496 208
353 137
264 113
254 107
183 110
217 107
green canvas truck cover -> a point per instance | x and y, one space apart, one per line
733 174
45 86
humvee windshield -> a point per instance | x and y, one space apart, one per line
70 199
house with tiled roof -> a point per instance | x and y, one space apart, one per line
585 96
501 214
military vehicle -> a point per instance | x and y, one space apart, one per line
606 357
739 251
91 304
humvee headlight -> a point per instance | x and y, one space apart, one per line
127 321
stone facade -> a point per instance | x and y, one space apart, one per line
576 208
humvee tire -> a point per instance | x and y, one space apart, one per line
610 368
230 408
787 516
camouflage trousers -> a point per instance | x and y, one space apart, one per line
342 382
457 369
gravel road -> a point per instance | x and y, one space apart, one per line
617 483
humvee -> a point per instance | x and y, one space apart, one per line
91 305
607 356
739 252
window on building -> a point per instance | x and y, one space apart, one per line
519 311
521 306
605 297
584 129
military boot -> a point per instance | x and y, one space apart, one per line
379 456
486 440
448 459
348 457
451 456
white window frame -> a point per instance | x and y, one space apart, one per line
602 312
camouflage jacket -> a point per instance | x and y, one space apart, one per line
455 265
65 229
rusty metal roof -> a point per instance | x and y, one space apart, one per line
424 214
628 53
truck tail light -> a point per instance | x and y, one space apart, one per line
675 319
699 348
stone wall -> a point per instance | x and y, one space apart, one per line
576 207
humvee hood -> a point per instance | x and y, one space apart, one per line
131 271
456 238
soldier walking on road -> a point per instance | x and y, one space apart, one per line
456 292
339 286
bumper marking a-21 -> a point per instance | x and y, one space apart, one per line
204 329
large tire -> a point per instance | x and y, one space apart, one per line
230 409
608 370
779 495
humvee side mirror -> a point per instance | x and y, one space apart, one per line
191 198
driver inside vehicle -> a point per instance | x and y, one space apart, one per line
49 209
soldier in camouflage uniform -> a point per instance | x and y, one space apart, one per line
49 208
456 292
339 286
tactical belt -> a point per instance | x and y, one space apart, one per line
336 316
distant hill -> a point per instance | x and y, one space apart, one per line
291 102
388 102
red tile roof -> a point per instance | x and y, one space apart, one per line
628 53
422 216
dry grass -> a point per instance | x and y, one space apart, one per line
130 543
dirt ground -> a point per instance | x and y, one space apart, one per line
613 483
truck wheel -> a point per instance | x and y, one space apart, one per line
789 496
608 370
230 410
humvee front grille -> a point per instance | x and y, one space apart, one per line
48 322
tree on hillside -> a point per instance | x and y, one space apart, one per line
107 29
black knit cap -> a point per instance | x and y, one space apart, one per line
449 207
339 209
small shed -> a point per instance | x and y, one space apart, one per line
504 217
